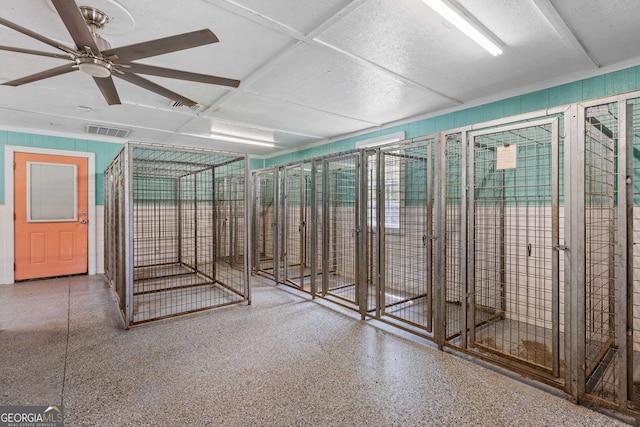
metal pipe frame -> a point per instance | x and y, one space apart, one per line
314 230
128 225
440 236
575 274
361 235
248 237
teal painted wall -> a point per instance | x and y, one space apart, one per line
255 163
596 87
104 153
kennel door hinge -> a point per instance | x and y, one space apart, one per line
561 248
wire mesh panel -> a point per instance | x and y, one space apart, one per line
514 290
316 229
281 227
340 228
306 230
374 255
455 265
115 262
264 222
600 146
187 230
295 225
229 205
406 215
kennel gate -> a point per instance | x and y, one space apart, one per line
455 244
341 250
514 284
178 239
296 216
265 221
400 219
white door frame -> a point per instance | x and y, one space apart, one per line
6 262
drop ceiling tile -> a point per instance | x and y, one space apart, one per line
319 78
609 30
299 15
286 116
412 40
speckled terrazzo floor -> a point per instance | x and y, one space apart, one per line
284 361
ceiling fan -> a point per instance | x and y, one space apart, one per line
94 56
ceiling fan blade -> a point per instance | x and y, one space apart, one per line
36 52
177 74
43 75
108 89
30 33
146 84
161 46
76 25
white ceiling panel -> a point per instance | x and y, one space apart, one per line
319 78
411 41
609 30
243 45
299 15
285 116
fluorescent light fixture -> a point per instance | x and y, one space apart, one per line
380 140
230 138
448 12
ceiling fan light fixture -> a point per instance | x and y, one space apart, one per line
94 67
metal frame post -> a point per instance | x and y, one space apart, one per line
624 253
381 231
361 235
314 231
325 227
464 238
555 243
128 224
439 219
247 235
471 287
276 224
575 274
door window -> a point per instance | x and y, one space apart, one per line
51 192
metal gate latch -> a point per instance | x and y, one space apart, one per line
425 238
561 248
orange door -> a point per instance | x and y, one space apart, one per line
50 199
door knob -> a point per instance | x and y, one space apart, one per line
83 221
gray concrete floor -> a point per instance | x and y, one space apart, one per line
283 361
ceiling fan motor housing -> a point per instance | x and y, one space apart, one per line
94 56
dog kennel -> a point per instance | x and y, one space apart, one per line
513 241
175 230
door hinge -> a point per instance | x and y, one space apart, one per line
14 266
14 216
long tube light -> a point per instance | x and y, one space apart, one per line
460 22
240 140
